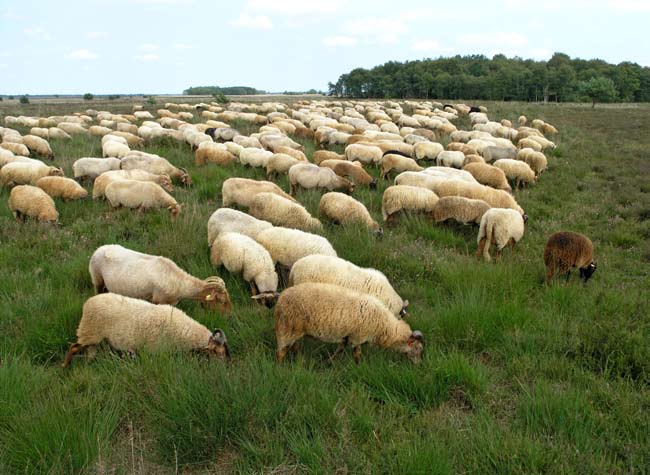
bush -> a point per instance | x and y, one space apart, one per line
112 97
88 96
151 100
221 98
24 100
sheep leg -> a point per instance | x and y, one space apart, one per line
74 349
481 245
339 348
253 288
281 353
356 354
549 274
568 274
512 243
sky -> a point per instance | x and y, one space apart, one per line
165 46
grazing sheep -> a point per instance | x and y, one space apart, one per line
157 165
242 191
159 280
565 250
529 143
129 324
91 168
280 211
472 158
338 315
447 173
343 209
488 175
26 200
26 173
309 176
57 133
421 179
501 227
516 170
463 210
462 147
61 187
280 163
522 120
495 198
230 220
39 146
449 158
15 148
337 271
350 170
366 154
99 131
240 253
536 160
492 153
427 150
115 149
212 153
404 197
114 138
287 245
393 162
40 132
255 157
322 155
297 154
140 194
103 180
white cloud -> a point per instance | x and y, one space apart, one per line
339 41
82 54
182 46
37 31
425 45
376 26
95 35
295 7
539 53
146 57
630 5
504 40
148 47
257 22
157 2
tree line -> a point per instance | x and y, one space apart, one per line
214 90
561 79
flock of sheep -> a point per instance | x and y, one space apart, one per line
277 240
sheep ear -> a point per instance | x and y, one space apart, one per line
416 336
218 336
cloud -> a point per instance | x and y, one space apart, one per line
146 57
505 40
295 7
37 31
82 54
540 53
376 26
157 2
339 41
95 35
257 22
182 46
148 47
425 45
630 5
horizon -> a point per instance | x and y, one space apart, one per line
158 46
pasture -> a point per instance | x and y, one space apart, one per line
517 376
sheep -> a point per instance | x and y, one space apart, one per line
308 176
489 175
404 197
131 139
364 153
26 173
213 154
462 147
99 131
230 220
337 271
7 157
427 150
343 209
495 198
114 138
548 129
15 148
140 194
280 163
501 227
91 168
529 143
242 191
280 211
463 210
103 180
446 173
393 162
516 170
255 157
421 179
449 158
338 315
40 132
287 245
240 253
61 187
130 324
297 154
159 280
26 200
38 145
157 165
565 250
536 160
492 153
115 149
322 155
522 120
350 170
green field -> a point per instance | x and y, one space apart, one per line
517 377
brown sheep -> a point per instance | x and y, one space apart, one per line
351 170
488 175
565 250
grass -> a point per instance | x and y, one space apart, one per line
517 377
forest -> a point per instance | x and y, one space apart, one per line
210 90
560 79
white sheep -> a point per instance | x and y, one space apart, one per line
279 164
230 220
280 211
516 170
334 270
242 191
38 145
26 200
89 167
103 180
61 187
287 245
115 149
343 209
142 195
129 324
500 226
309 176
26 173
394 162
448 158
427 150
155 164
368 154
411 198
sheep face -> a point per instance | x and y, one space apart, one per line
350 188
587 272
413 347
218 345
185 178
166 183
175 210
215 296
373 184
56 171
268 299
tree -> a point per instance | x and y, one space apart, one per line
600 89
24 100
88 97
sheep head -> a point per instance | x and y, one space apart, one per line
268 299
215 295
56 171
414 347
587 272
373 184
166 183
218 345
174 209
186 179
